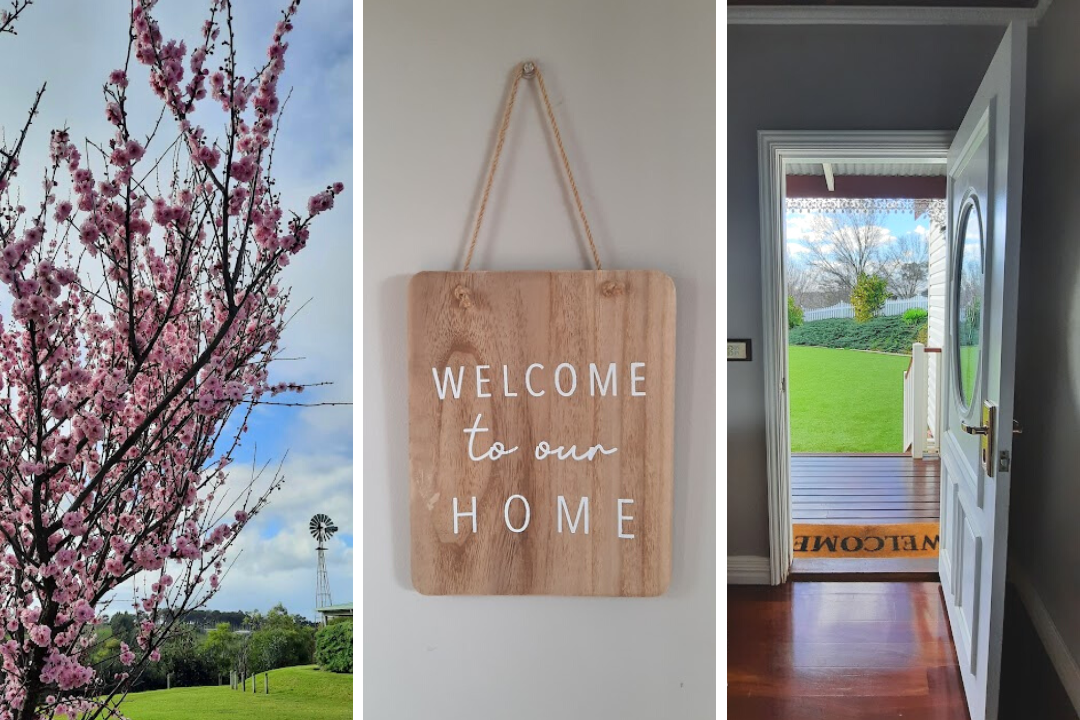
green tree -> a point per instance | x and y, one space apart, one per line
334 647
182 658
869 296
221 647
279 639
794 313
123 627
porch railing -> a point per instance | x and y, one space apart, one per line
920 429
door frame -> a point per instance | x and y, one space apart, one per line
775 150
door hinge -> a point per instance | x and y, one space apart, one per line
783 385
1004 461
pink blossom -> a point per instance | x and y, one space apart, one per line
63 211
40 635
126 656
114 566
114 114
83 612
320 203
243 170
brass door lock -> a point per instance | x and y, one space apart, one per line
986 432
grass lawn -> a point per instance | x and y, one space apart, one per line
846 400
969 365
296 693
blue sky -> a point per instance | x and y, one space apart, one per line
277 558
896 224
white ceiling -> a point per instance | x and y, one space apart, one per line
869 168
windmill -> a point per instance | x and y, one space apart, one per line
322 528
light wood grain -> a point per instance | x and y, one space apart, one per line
517 319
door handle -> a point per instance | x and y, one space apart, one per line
1017 429
982 430
986 432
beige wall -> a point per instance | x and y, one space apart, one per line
633 86
816 78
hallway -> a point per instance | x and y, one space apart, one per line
839 651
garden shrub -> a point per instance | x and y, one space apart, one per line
915 316
883 334
794 313
334 647
868 296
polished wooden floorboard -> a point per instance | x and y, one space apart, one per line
864 489
834 651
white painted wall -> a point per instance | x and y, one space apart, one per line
937 284
632 84
816 78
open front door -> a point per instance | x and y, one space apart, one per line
985 174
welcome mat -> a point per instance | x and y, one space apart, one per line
902 540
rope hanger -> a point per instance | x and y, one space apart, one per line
529 70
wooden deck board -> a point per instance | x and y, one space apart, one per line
864 489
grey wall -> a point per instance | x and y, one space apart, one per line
1044 532
633 86
816 78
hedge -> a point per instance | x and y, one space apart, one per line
883 334
914 316
334 647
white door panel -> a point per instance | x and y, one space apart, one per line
985 172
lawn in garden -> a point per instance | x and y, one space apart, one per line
846 400
969 365
296 693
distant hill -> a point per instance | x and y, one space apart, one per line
209 619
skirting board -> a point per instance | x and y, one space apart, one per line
1060 657
748 570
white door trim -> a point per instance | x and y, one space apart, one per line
775 149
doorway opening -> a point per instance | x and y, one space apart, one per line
867 448
864 246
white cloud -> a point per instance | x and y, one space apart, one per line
798 225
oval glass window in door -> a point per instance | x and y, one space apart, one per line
969 284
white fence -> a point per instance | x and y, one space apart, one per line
845 310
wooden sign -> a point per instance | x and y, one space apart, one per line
541 432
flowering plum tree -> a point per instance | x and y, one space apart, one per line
146 305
